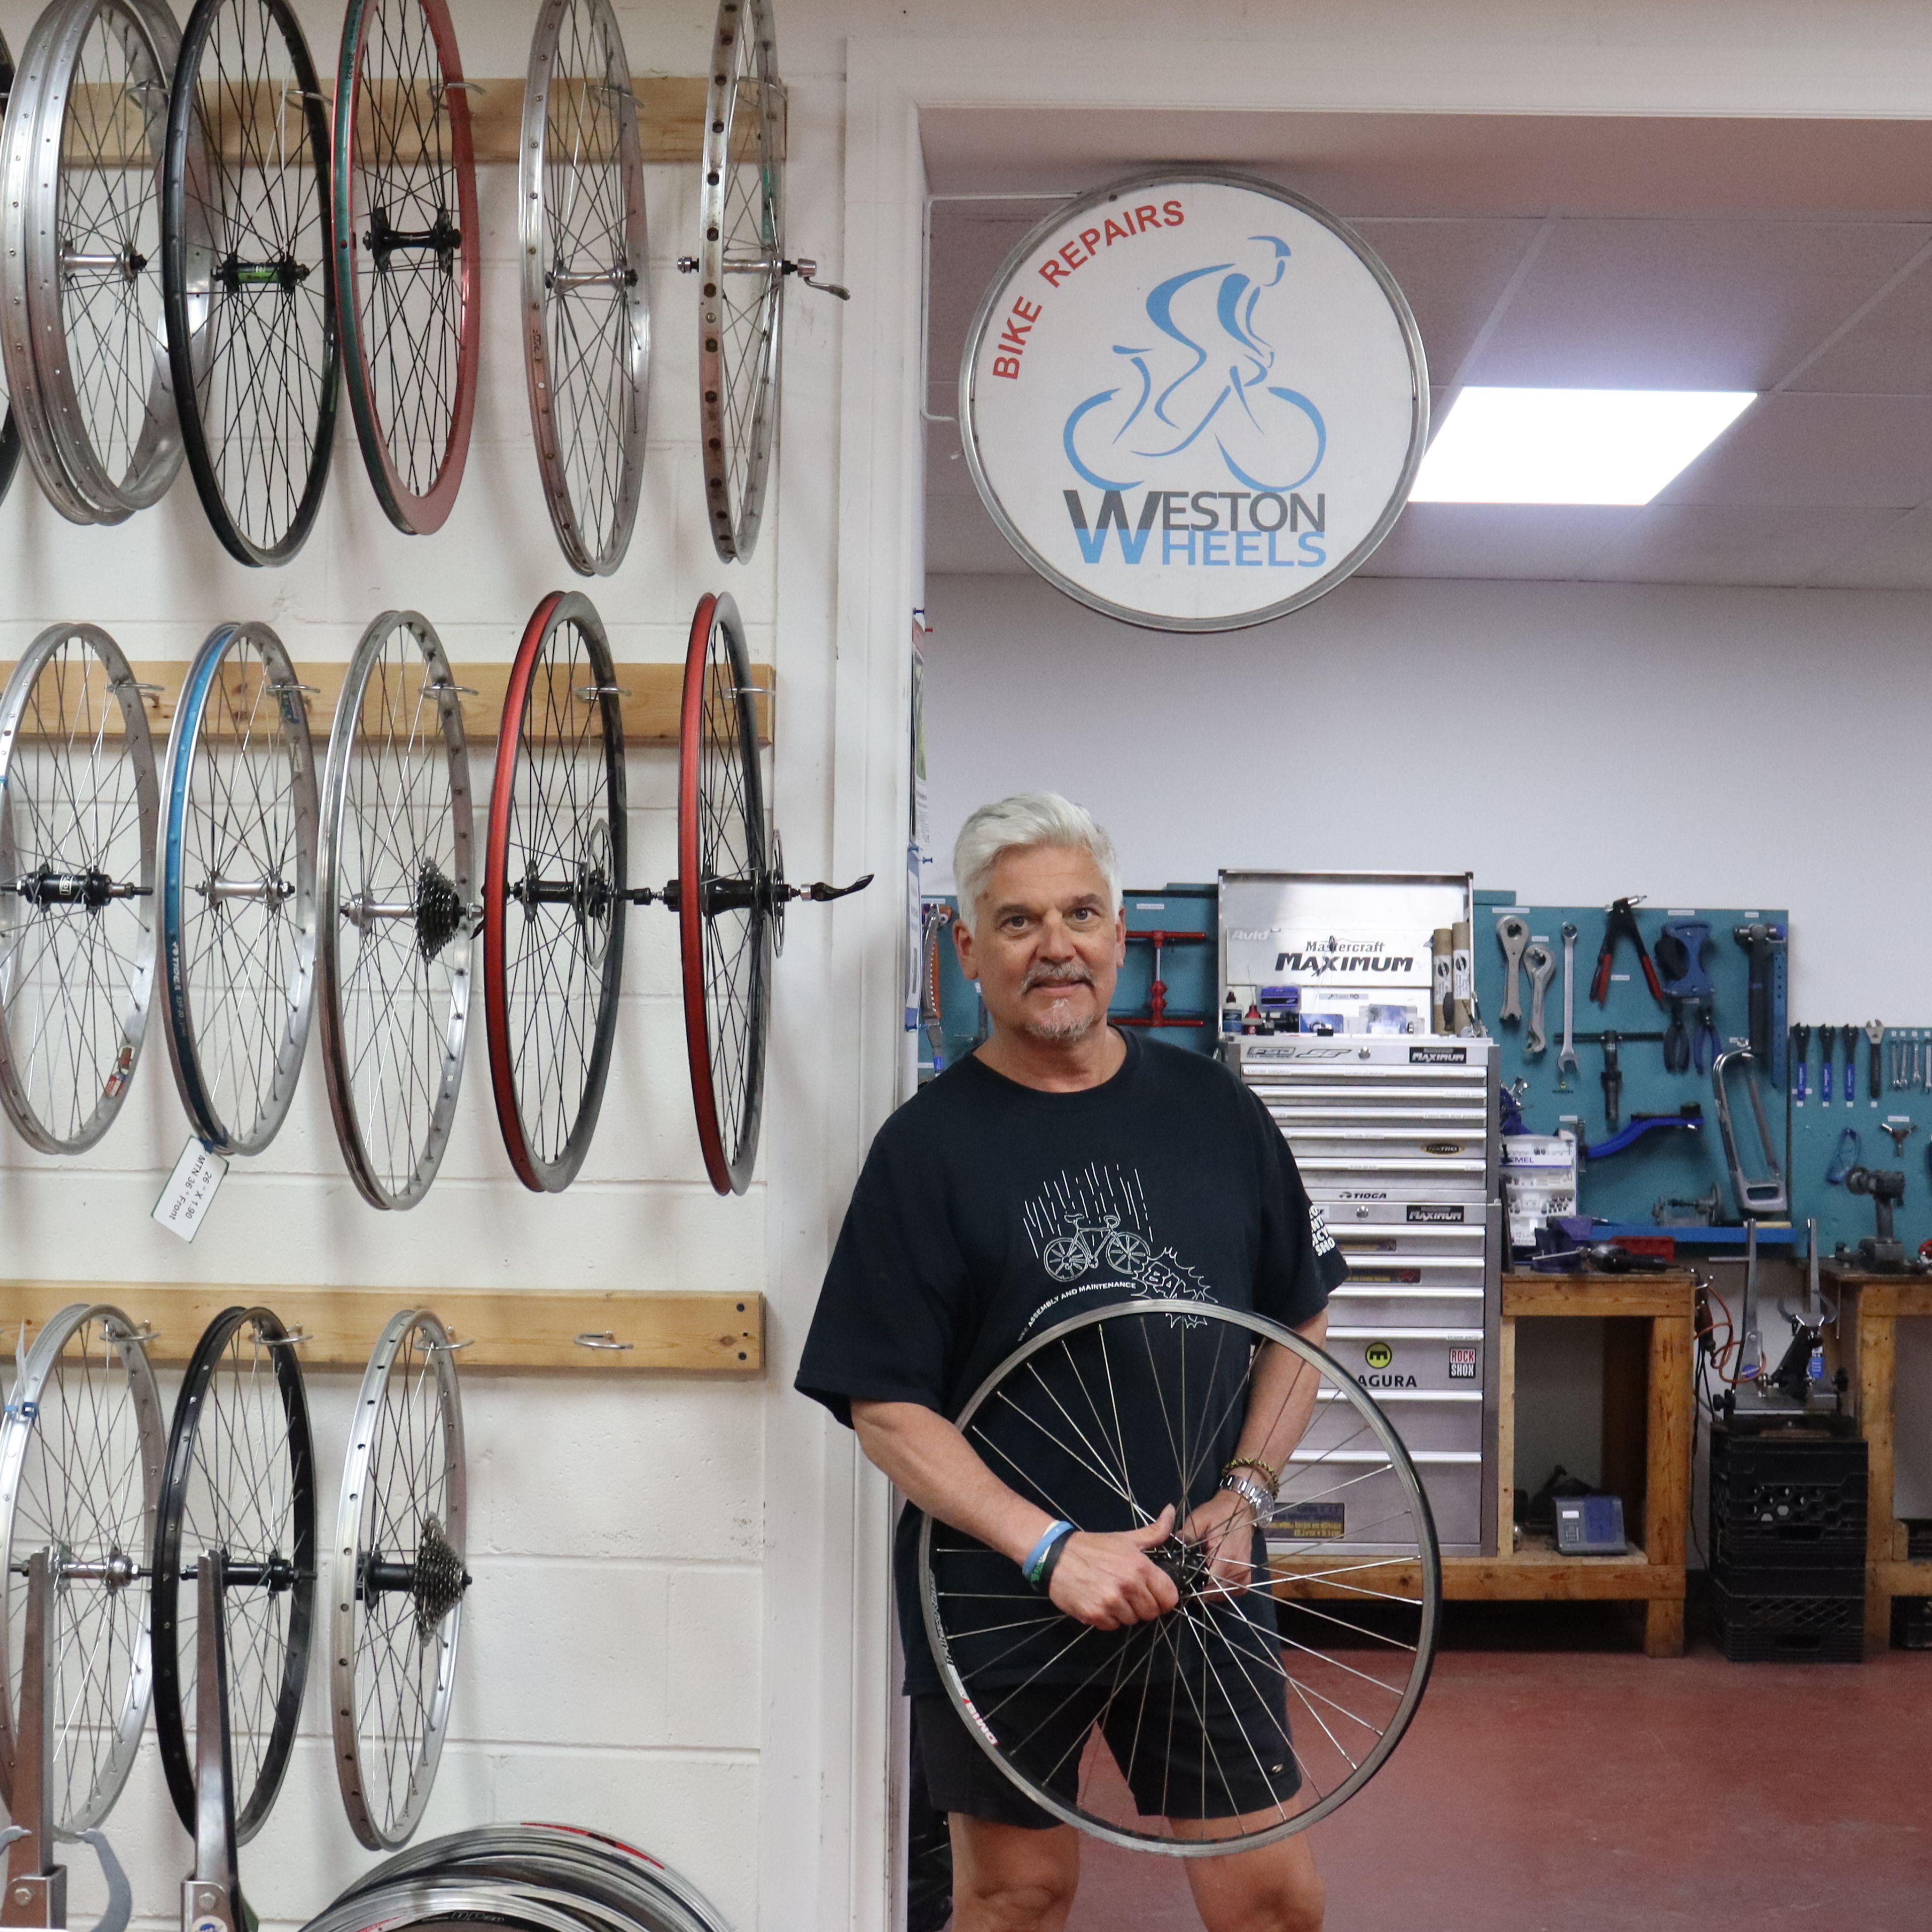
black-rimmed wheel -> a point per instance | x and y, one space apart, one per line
240 1480
246 275
1287 1672
727 901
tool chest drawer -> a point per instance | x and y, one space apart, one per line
1362 1303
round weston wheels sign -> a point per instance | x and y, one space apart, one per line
1194 401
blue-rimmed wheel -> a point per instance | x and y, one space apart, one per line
237 888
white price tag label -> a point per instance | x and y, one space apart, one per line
190 1190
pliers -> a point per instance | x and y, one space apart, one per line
1622 924
1691 1038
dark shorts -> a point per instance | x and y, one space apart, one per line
1180 1760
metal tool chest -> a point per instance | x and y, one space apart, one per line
1398 1142
1395 1130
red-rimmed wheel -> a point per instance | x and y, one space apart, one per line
408 239
728 893
553 891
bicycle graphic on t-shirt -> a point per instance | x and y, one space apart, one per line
1089 1245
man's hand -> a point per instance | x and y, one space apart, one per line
1107 1581
1224 1526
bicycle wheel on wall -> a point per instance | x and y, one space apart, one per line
553 891
727 907
397 1580
237 888
81 1448
1274 1691
10 433
78 808
407 241
398 884
240 1480
247 276
741 264
82 326
586 289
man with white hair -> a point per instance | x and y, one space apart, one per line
940 1271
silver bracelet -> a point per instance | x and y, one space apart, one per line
1256 1498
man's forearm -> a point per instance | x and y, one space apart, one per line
940 1472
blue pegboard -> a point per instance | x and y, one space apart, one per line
1844 1218
1623 1188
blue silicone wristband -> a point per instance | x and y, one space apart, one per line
1037 1554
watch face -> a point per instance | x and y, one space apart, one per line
1194 401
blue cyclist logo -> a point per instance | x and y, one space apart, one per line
1203 382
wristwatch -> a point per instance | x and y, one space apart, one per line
1256 1498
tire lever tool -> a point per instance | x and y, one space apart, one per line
1801 1049
1875 1034
1620 923
1826 1035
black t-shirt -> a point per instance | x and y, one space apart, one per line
988 1210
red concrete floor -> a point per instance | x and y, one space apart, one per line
1583 1790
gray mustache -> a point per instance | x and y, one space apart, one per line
1057 976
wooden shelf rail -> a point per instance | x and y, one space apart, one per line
639 1329
653 695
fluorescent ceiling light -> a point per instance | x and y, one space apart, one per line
1571 446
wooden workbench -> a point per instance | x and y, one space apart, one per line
1870 1306
1653 1575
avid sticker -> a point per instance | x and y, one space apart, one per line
190 1190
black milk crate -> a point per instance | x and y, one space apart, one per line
1917 1538
1784 1498
1796 1626
1912 1623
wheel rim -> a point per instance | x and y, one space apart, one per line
238 895
78 806
398 1580
586 292
741 297
1312 1683
94 299
9 434
398 885
725 899
553 892
248 274
406 239
81 1450
240 1480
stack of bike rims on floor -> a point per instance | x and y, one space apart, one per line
1787 1544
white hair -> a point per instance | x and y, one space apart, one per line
1027 820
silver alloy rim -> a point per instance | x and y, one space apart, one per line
1092 1439
237 892
78 806
392 1650
444 1898
585 279
741 256
88 358
398 890
81 1448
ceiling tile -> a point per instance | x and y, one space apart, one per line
1452 273
1889 353
1529 540
1689 543
1687 305
1852 452
1899 559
